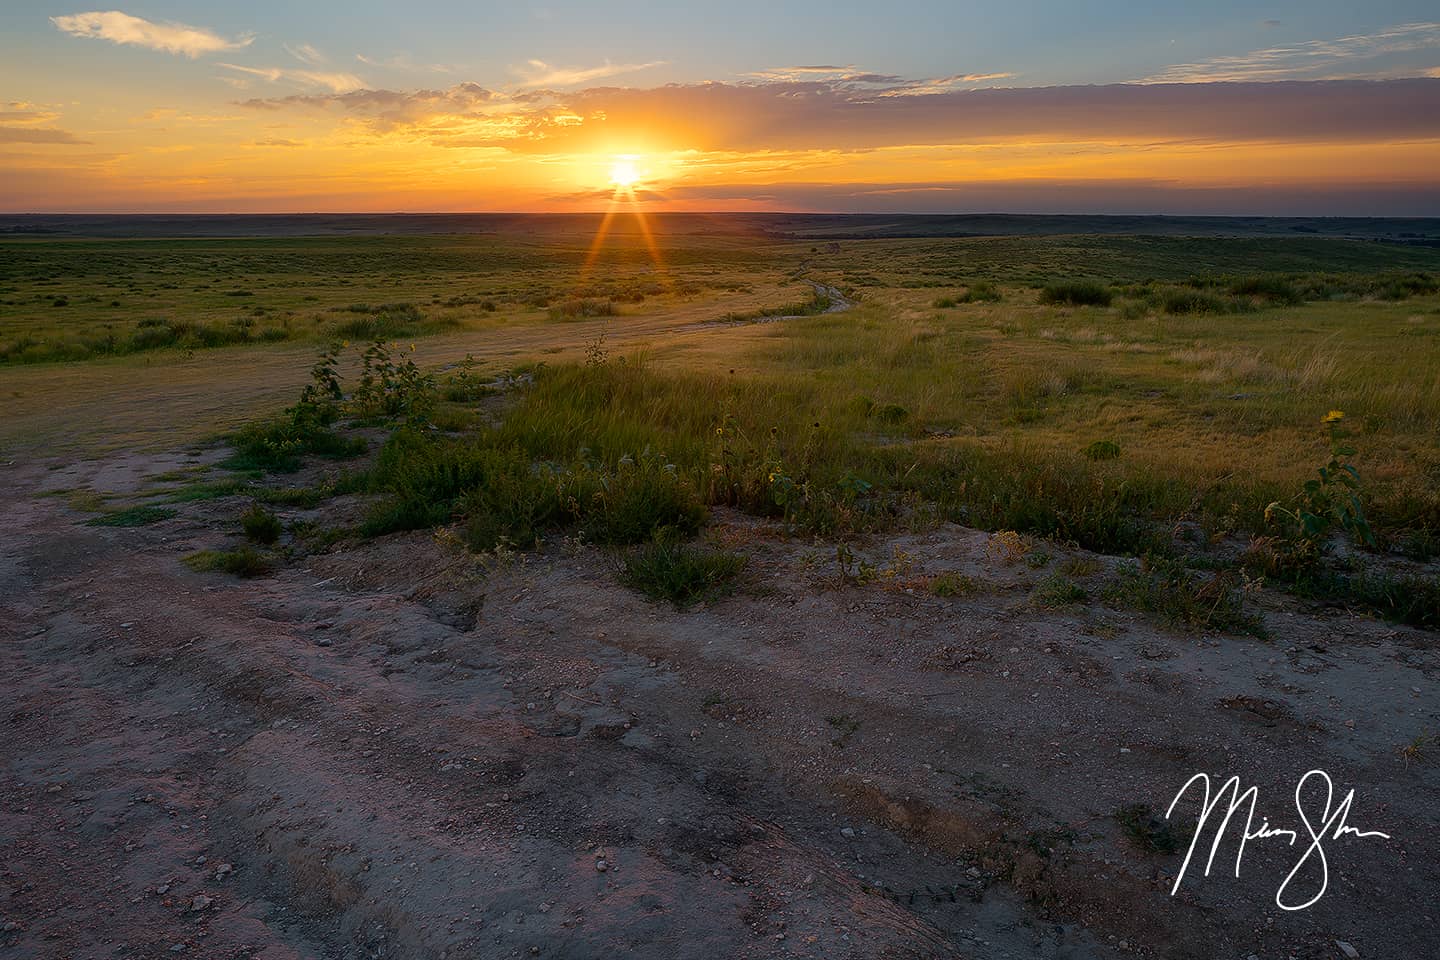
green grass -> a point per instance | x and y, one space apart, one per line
1183 597
138 516
681 573
244 561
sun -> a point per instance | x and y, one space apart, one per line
623 172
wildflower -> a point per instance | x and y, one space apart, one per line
1334 416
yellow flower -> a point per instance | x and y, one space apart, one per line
1334 416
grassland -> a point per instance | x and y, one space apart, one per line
1128 394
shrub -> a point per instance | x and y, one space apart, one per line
1270 287
981 292
1057 591
1077 293
582 308
640 499
260 525
680 573
1102 450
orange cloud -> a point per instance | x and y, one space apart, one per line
122 28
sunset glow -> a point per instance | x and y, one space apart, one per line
203 107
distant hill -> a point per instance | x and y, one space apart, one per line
797 226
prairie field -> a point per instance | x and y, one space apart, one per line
732 591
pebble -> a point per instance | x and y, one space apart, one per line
1346 949
11 926
223 871
847 831
601 866
323 642
201 902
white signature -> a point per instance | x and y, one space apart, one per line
1330 825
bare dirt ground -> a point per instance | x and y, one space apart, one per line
391 750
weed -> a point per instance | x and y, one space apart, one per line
1331 500
1180 596
845 726
953 585
242 562
260 525
666 569
1142 825
1056 591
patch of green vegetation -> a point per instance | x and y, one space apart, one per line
1102 450
1181 596
582 309
138 516
981 292
950 584
1078 293
260 525
244 561
666 569
845 726
1057 591
1149 831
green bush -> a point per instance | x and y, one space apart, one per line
260 525
1102 450
680 573
1077 293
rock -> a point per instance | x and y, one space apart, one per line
201 902
847 832
323 642
11 926
223 871
1346 949
601 866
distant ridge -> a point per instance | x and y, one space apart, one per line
794 226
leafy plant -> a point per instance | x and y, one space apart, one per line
666 569
260 525
1331 500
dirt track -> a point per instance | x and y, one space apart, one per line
388 751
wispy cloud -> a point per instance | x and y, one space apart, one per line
538 73
21 134
306 53
124 29
878 84
925 88
840 116
1308 60
334 82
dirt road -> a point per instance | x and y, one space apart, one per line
389 751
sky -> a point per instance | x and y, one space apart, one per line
1231 108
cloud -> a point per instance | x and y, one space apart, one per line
809 116
538 73
278 142
37 135
1311 59
335 82
838 116
124 29
306 53
1045 195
